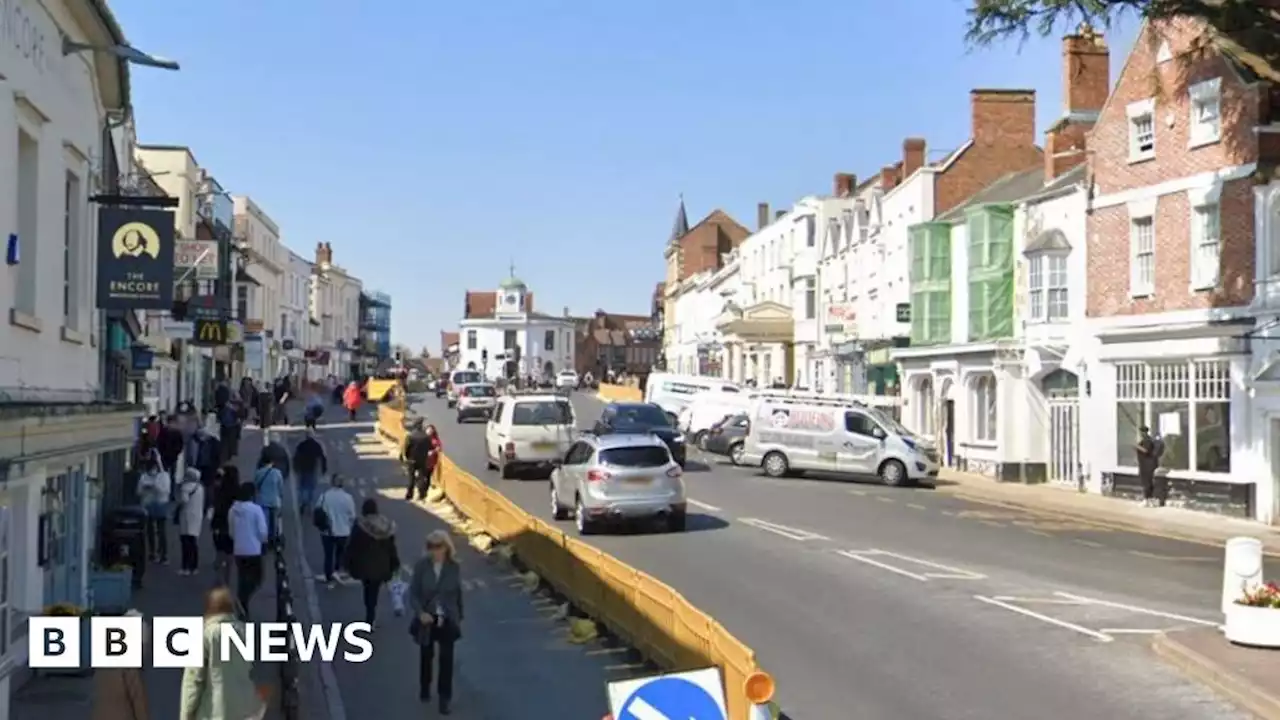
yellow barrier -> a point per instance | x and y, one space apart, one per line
620 393
648 614
377 389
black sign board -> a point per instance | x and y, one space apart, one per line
141 358
135 259
209 332
904 312
206 307
288 344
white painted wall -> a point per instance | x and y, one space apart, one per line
478 335
885 265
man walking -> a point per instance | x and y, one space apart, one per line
417 448
309 463
338 510
1149 451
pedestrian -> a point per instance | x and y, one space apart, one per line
417 446
334 516
266 405
248 524
205 453
229 429
351 400
435 593
1149 451
221 395
269 485
221 688
371 555
171 442
188 515
309 463
154 490
225 489
314 410
435 450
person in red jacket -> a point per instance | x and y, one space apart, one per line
351 399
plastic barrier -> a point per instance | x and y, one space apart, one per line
375 390
620 393
646 613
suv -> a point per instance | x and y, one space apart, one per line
645 418
476 400
567 380
613 478
528 431
457 379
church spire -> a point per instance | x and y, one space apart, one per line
681 226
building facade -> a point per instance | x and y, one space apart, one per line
502 337
258 237
338 297
296 330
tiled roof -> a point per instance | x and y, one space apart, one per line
482 303
448 338
1009 188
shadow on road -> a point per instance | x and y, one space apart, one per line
694 522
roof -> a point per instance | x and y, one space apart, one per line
512 283
1052 239
1071 178
447 339
680 227
1009 188
483 303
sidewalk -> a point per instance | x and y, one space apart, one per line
1176 523
1245 676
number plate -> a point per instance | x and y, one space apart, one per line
544 446
639 480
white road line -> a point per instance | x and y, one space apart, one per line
1136 609
787 532
1045 618
1035 601
642 710
704 506
1130 631
883 566
937 571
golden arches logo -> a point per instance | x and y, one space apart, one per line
135 239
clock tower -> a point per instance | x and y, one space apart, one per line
511 295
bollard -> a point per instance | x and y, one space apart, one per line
759 688
1241 569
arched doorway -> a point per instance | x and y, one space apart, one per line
924 400
1061 390
471 365
548 370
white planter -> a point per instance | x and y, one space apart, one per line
1253 626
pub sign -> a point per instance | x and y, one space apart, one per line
135 259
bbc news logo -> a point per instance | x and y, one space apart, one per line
178 642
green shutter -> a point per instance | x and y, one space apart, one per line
917 242
940 253
940 317
918 336
999 231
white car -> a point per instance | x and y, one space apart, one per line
529 430
566 380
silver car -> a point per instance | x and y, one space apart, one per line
616 478
476 400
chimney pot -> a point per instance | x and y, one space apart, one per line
888 177
1086 72
913 152
762 215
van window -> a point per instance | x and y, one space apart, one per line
729 389
480 391
860 424
645 456
465 377
542 412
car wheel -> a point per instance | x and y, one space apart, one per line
776 465
893 473
558 511
737 452
586 526
506 471
459 419
677 521
700 440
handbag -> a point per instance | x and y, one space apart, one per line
320 518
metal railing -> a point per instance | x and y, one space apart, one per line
289 670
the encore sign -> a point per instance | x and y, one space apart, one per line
24 29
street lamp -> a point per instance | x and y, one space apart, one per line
128 53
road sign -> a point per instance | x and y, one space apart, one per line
694 695
209 332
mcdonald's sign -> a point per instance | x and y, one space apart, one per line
209 332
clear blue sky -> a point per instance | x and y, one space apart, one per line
434 143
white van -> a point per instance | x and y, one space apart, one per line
673 393
708 408
793 432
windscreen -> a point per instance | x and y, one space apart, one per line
480 391
462 378
542 412
647 456
643 416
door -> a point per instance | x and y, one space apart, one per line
1064 443
949 434
492 444
570 474
860 451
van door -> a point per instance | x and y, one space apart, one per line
860 450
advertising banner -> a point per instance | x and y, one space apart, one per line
135 259
197 257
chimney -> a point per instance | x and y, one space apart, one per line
566 311
762 216
324 253
1086 80
844 184
777 215
888 177
1006 118
912 155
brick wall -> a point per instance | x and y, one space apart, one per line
1003 140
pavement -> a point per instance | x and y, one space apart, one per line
514 659
873 602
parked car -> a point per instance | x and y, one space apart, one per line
566 380
727 437
631 418
476 400
615 478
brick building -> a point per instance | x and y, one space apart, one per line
621 343
1183 258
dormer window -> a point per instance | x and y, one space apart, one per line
1048 284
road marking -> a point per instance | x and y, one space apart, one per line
1041 533
1034 601
1175 558
938 572
787 532
700 504
992 523
884 499
1045 618
1130 631
1087 543
916 506
859 493
629 666
608 651
1136 609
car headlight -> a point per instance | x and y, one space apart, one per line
678 438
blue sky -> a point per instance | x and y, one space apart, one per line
435 143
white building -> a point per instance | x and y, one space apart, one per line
259 238
296 329
59 450
998 329
516 343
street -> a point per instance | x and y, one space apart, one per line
513 660
873 602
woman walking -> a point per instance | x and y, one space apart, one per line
154 488
435 593
372 557
225 489
248 523
269 484
220 689
190 517
351 400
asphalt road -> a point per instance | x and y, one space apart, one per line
513 660
890 603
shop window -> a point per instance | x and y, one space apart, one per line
1187 404
1060 384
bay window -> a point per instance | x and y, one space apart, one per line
1186 403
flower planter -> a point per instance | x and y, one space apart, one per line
110 591
1253 626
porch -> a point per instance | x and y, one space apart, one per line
758 343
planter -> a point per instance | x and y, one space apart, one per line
1253 626
110 591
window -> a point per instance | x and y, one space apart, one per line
28 226
540 412
1047 281
549 341
71 253
810 299
1142 271
1186 403
242 302
644 456
860 424
1206 244
1206 113
1142 130
982 410
810 231
471 339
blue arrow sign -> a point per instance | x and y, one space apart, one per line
671 698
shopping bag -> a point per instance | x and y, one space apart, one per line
398 589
